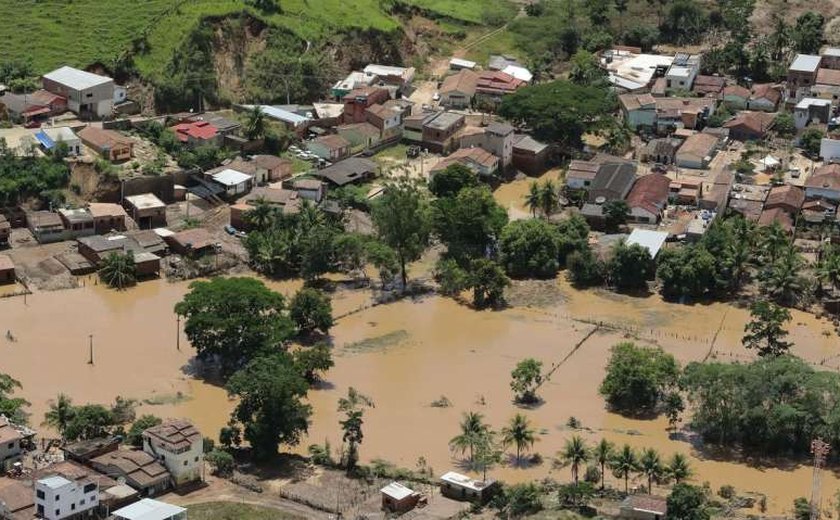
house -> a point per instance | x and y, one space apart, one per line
178 445
36 105
736 97
478 160
223 125
709 86
643 507
749 126
683 70
824 183
672 113
764 97
98 247
439 131
15 439
139 469
399 77
107 217
697 151
310 189
111 145
802 75
148 509
7 270
501 62
830 149
287 199
197 133
50 138
88 95
580 174
461 487
399 499
788 197
192 242
45 226
613 181
458 90
357 101
329 147
777 216
749 209
629 70
292 121
146 209
57 498
648 198
271 168
491 86
639 110
348 171
811 110
661 150
234 182
827 85
529 155
817 211
461 64
498 140
830 58
354 80
77 222
386 120
85 450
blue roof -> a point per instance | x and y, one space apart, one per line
45 140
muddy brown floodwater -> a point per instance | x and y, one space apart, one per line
405 356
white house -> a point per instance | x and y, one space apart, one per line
824 183
57 497
682 72
233 181
178 445
148 509
830 149
811 109
13 438
50 137
87 94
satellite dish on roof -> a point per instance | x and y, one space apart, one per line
600 200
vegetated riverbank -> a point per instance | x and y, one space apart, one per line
406 355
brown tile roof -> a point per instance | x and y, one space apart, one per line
768 216
827 179
16 494
828 77
683 104
766 91
270 195
737 90
137 466
749 209
381 111
74 471
106 209
464 81
757 122
478 155
818 205
101 138
8 432
496 82
269 162
195 238
709 84
40 219
650 193
828 168
332 141
585 170
698 145
363 91
787 196
174 434
636 101
363 128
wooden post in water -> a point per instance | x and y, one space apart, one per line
90 337
178 331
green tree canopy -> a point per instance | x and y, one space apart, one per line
560 111
118 270
637 378
630 267
530 248
765 332
687 502
310 310
525 379
469 223
452 179
11 407
270 391
233 320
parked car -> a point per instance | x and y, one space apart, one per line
230 230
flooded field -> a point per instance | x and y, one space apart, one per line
405 356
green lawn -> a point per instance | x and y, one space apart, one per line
234 511
500 43
83 32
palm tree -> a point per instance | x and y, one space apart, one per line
783 280
740 251
650 465
519 433
261 216
473 430
575 454
624 464
60 413
774 240
678 468
118 270
532 199
255 125
548 198
603 453
620 8
828 269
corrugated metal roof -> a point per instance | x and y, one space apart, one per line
650 240
76 79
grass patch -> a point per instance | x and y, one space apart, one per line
391 154
472 11
500 43
298 165
162 399
234 511
392 339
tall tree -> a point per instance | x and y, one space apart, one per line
473 432
650 465
469 223
624 464
11 407
575 453
451 180
688 502
525 379
60 413
765 331
233 320
519 434
620 8
118 270
783 280
807 33
678 468
402 219
548 198
255 124
532 198
270 391
353 406
310 310
603 454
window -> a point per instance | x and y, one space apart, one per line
40 494
72 507
196 459
58 512
82 502
11 445
57 497
89 95
89 487
185 463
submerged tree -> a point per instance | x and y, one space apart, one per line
118 270
525 379
765 332
519 434
353 406
624 464
473 431
575 454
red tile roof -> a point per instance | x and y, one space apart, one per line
825 178
650 193
787 196
197 130
496 82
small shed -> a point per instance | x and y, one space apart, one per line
7 270
461 487
192 242
650 240
397 498
643 507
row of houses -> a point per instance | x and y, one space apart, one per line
100 475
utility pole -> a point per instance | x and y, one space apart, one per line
90 337
819 448
178 332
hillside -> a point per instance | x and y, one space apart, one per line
84 32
